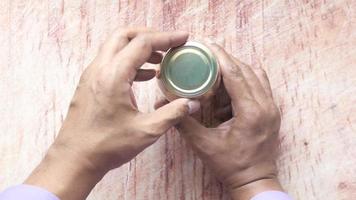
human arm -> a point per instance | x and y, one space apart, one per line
103 128
242 151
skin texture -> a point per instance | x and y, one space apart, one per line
104 129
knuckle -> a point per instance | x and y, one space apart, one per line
259 116
151 131
84 78
103 84
275 112
73 104
236 71
233 70
227 64
121 32
124 35
148 128
254 114
181 111
261 72
275 116
114 37
100 81
144 39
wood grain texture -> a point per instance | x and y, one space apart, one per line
306 46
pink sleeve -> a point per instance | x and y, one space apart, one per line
272 195
21 192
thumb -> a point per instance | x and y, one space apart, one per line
191 129
170 114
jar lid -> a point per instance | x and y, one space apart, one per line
189 70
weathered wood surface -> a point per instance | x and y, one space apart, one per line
306 46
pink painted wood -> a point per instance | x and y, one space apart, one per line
306 46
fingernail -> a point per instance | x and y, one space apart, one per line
193 106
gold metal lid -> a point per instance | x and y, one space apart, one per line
190 70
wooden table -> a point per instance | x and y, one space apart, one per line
306 46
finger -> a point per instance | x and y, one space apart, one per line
121 37
233 78
160 102
226 125
145 74
155 58
252 80
170 114
262 76
139 50
191 129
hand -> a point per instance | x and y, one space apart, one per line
103 128
241 151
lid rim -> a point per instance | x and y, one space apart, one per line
203 88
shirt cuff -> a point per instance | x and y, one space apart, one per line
28 192
272 195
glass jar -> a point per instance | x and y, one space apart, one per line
189 71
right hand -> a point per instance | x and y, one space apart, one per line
241 151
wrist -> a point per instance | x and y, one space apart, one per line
247 191
66 174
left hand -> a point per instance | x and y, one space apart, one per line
103 128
